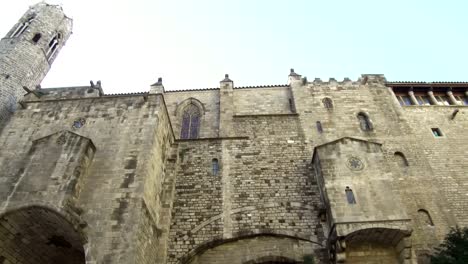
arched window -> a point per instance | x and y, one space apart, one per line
400 159
190 122
22 27
350 195
215 167
327 103
364 122
425 217
53 45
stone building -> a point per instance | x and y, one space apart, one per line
365 171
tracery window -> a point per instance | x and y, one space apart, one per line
327 103
190 122
364 122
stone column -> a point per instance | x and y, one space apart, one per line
451 98
432 98
413 99
398 108
295 82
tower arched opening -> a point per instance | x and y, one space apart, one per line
41 236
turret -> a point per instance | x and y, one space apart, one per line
27 52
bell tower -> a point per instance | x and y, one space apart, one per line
28 51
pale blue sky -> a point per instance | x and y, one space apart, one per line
191 44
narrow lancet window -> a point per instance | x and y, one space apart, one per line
53 45
350 195
364 122
215 167
190 122
319 127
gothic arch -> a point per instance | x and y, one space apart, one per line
379 244
189 115
180 106
274 248
41 233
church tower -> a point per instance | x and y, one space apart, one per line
28 51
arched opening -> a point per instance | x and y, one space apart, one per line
39 235
400 159
258 249
364 122
374 245
327 103
53 45
425 218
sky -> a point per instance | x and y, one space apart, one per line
192 44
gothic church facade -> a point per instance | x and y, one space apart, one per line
365 171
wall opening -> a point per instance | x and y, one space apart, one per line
437 132
39 235
53 46
319 127
350 195
400 159
364 122
36 38
327 103
215 167
259 249
425 218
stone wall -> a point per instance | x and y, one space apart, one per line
149 197
258 190
262 100
125 131
392 127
